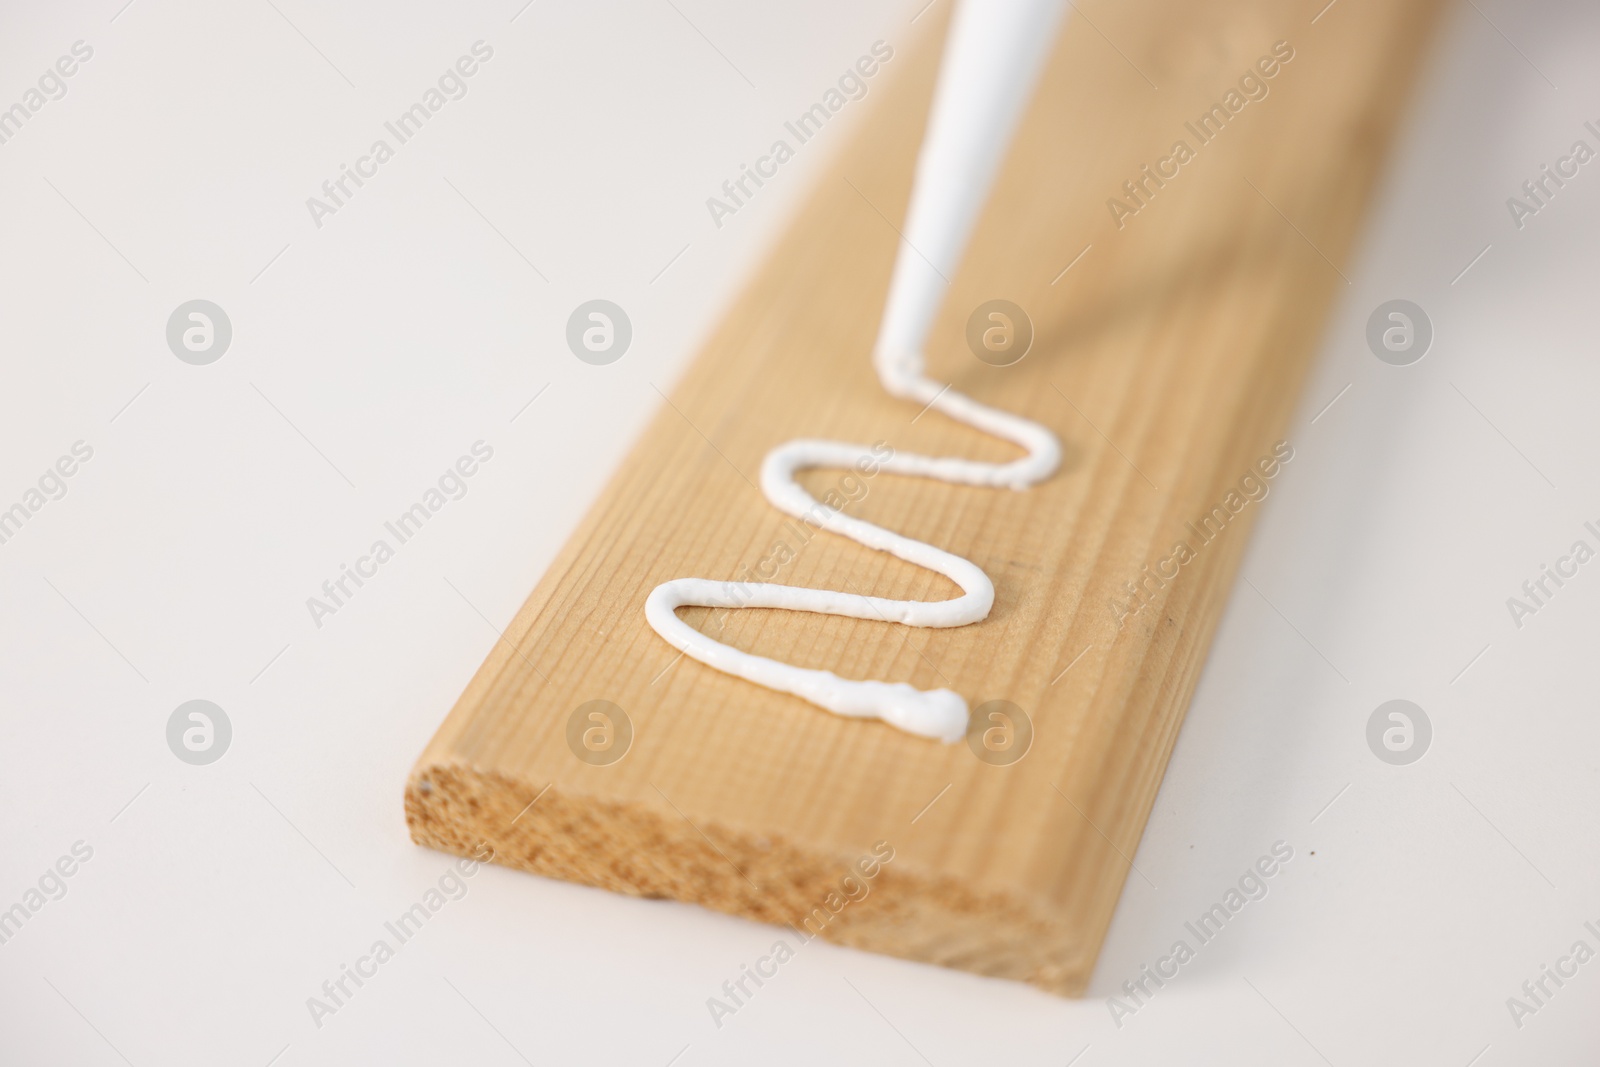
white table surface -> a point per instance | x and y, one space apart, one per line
377 348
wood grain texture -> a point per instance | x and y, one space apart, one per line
1168 359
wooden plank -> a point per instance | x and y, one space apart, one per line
1167 358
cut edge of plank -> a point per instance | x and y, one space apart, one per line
655 852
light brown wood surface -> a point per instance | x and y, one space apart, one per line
1168 359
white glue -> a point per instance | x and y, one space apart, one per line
992 58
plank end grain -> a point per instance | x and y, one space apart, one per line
1170 342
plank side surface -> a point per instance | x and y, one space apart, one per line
1168 359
